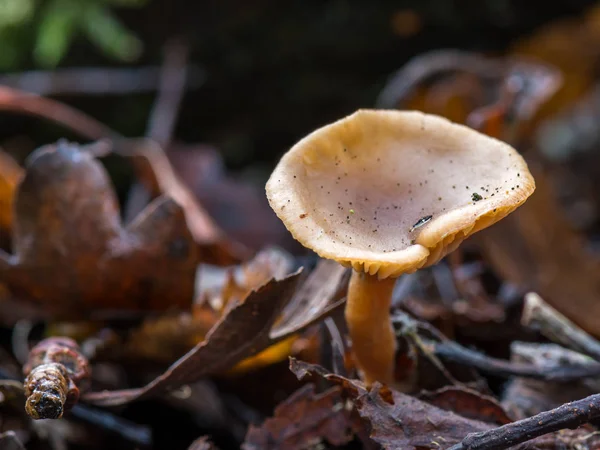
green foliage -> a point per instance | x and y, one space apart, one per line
49 27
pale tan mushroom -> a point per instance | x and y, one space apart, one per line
386 193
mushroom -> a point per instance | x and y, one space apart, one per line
387 193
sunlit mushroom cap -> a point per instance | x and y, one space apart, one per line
388 192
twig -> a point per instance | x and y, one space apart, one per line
94 80
569 415
31 104
540 316
130 431
163 116
173 83
451 351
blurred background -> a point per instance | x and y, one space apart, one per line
260 74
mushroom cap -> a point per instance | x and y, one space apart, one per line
388 192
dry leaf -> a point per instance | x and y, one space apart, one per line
399 421
10 176
155 170
72 254
242 332
304 420
536 249
468 403
152 165
158 339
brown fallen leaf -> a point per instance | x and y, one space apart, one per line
326 282
72 254
151 165
304 420
397 420
10 176
241 209
468 403
159 338
157 173
536 249
244 331
268 263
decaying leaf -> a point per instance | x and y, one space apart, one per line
158 339
155 170
397 420
326 282
71 252
244 331
10 176
468 403
151 163
239 282
304 420
240 209
535 248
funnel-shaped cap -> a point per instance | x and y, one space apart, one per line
389 192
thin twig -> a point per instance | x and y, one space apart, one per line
569 415
173 83
34 105
94 80
540 316
451 351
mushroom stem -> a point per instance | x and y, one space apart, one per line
370 326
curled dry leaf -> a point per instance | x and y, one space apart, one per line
155 170
267 264
71 252
328 281
306 419
238 207
244 331
151 164
158 339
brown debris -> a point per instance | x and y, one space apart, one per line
202 443
55 372
396 419
468 403
73 255
222 348
305 419
157 174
